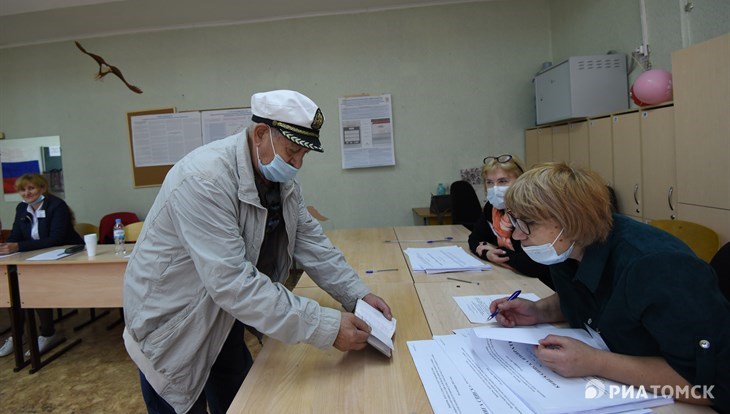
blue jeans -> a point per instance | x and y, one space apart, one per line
226 376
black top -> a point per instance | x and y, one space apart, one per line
519 261
648 294
55 229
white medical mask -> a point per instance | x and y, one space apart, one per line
277 170
546 253
495 196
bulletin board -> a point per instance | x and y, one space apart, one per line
151 176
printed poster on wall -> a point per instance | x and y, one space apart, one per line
366 131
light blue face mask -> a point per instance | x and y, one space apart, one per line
278 170
38 200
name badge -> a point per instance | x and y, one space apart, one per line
40 213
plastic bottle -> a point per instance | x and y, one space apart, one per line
441 189
119 237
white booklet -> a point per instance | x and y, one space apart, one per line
381 329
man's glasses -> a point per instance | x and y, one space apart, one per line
504 158
518 223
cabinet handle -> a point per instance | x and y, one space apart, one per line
636 199
669 201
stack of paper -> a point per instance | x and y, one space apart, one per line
381 329
444 259
463 373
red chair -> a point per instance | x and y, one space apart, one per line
106 225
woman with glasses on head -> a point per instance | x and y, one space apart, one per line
656 305
491 238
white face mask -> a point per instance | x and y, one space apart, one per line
495 196
546 254
278 170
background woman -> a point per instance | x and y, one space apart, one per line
491 238
41 220
656 305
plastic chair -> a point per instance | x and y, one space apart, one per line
106 225
131 231
465 206
702 240
86 228
721 263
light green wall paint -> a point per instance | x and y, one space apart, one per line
459 76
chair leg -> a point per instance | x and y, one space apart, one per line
118 321
61 315
93 318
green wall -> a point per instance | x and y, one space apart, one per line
460 77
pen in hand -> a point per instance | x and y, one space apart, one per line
496 311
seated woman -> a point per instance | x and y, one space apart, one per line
656 305
42 220
491 238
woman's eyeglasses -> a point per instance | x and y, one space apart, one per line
518 223
502 159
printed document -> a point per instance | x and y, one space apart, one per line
444 259
476 308
381 329
50 255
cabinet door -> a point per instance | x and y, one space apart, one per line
600 148
658 164
579 153
561 143
701 78
545 143
626 136
532 148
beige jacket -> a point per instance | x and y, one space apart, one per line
192 271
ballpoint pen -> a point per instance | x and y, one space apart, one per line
380 270
512 296
445 239
461 280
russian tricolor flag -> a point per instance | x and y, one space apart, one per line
13 170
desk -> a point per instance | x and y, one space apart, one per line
366 249
429 218
76 281
300 378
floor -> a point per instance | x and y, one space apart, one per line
96 376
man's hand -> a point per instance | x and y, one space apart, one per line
353 333
378 303
7 248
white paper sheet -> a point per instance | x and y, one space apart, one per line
444 259
50 255
476 308
533 334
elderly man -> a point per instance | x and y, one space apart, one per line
213 254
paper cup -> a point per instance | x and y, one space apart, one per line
91 240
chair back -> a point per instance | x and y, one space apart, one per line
86 228
721 263
132 230
465 206
702 240
106 225
4 235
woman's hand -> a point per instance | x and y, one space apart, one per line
8 248
515 312
569 357
493 254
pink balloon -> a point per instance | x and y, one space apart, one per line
653 87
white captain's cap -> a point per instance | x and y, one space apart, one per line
297 117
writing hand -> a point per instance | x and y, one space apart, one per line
515 312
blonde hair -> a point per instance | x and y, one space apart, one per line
576 198
513 166
35 179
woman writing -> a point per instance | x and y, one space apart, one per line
656 305
42 220
491 238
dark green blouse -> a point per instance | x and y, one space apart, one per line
647 294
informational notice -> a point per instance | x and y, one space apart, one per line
163 139
221 123
366 131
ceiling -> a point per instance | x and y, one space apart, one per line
27 22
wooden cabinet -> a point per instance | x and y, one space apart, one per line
626 141
701 78
579 147
658 160
600 148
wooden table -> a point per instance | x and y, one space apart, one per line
301 378
75 281
429 218
366 249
